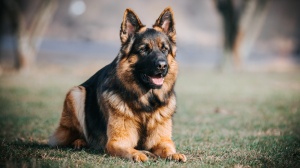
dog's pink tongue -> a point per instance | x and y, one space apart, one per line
157 80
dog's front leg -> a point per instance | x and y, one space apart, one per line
166 149
160 143
122 133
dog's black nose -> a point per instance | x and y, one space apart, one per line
161 64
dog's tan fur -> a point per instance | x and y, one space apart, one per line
71 127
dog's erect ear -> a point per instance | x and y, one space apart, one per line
130 25
166 22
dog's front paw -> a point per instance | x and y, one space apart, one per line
139 157
177 157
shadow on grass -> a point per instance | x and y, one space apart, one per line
23 150
35 154
282 149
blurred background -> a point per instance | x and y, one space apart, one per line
212 34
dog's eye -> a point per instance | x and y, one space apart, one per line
144 49
164 49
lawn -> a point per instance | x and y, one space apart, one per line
223 120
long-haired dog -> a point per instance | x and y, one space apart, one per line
126 108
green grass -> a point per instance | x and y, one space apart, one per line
223 120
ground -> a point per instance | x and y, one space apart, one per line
231 119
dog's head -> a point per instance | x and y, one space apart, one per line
149 52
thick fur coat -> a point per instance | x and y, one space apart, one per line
126 108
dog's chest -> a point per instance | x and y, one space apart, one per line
146 126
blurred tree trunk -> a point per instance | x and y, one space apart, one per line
251 24
230 29
29 19
242 23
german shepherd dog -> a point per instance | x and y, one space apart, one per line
126 108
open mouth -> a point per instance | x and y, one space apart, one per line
157 80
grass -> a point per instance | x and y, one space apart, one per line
223 120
